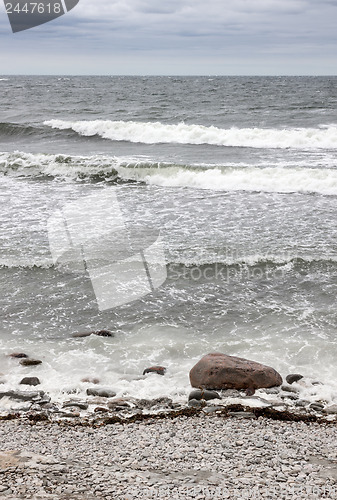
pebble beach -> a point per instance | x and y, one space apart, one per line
199 457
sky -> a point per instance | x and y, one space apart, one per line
178 37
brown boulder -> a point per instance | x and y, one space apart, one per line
220 371
160 370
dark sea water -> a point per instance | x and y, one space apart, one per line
237 176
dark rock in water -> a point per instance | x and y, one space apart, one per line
250 391
316 406
103 333
101 409
119 402
289 395
23 396
150 403
17 355
302 403
242 414
288 388
91 380
30 381
293 377
330 410
30 362
78 404
271 390
206 395
196 403
155 369
100 333
103 393
220 371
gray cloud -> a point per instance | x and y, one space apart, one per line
262 36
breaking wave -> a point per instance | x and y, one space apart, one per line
155 133
253 178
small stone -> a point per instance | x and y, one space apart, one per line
160 370
69 414
316 406
212 409
119 402
30 362
289 395
242 414
330 410
17 355
100 409
288 388
103 333
195 403
293 377
230 393
78 404
103 393
271 390
22 396
203 394
100 333
91 380
30 381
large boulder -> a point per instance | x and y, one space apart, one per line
219 371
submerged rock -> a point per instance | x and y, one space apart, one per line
30 381
22 396
30 362
160 370
289 388
196 403
220 371
91 380
101 392
17 355
100 333
330 410
77 404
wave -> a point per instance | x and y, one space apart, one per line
17 129
253 178
26 263
279 261
155 133
19 164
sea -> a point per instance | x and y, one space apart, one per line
186 215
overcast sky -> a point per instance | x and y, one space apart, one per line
218 37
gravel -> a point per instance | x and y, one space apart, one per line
197 457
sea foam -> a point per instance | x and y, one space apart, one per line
229 178
181 133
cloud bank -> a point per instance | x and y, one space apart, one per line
179 37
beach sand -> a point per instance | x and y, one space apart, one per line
199 457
